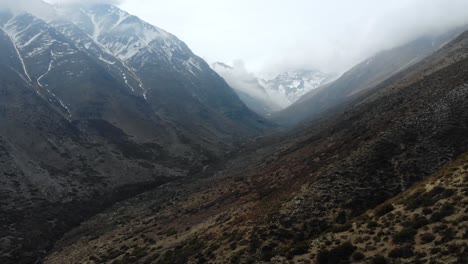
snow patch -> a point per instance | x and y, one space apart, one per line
12 35
52 55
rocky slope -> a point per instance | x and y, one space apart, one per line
272 202
97 105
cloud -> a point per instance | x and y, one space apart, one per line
331 35
87 2
42 8
32 6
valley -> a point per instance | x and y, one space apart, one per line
118 144
273 201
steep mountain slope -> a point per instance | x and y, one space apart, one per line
50 168
96 105
361 78
271 202
272 95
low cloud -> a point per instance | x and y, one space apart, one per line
278 35
32 6
43 8
87 2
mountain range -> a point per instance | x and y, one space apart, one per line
119 145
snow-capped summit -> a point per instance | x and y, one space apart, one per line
268 95
120 33
295 83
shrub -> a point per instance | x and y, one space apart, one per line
171 232
299 249
322 257
448 234
267 252
342 228
401 252
254 245
423 199
419 221
383 209
379 260
139 253
427 211
341 218
453 248
427 238
372 224
358 256
446 210
339 254
405 235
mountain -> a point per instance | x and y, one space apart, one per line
265 96
97 105
282 196
362 78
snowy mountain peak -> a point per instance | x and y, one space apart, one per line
120 33
277 92
293 84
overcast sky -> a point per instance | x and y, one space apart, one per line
276 35
331 35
